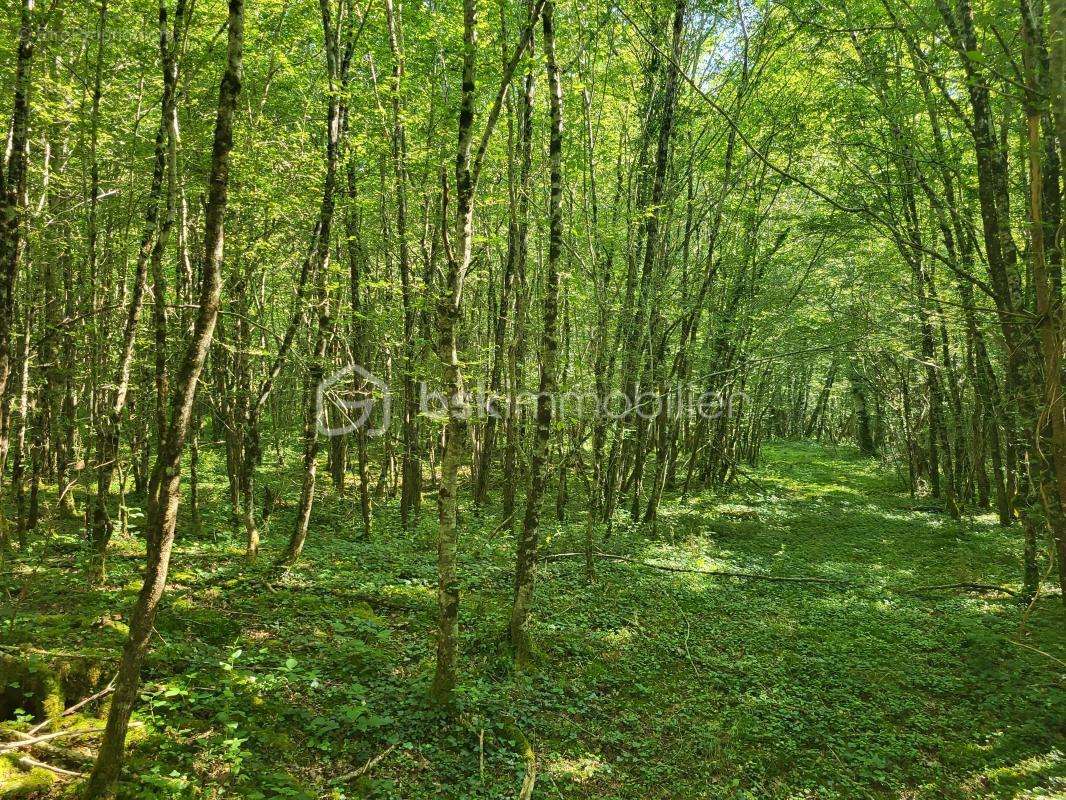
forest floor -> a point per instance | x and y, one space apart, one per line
652 683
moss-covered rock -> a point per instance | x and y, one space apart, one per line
39 685
31 684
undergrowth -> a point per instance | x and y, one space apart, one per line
649 684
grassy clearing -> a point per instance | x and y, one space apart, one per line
651 684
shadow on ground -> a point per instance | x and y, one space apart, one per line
651 684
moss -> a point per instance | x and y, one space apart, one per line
40 686
121 628
31 684
362 610
80 677
14 782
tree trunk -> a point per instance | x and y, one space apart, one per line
526 560
12 195
166 475
109 422
516 351
411 481
253 449
449 309
1048 308
337 62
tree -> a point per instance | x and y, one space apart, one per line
166 475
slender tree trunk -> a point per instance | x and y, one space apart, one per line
18 466
516 352
168 45
109 420
863 431
526 561
631 447
1056 13
166 475
92 232
449 310
12 196
448 317
361 350
253 449
1002 256
1048 307
411 484
337 61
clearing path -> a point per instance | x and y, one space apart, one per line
653 684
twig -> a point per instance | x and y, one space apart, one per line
1035 650
27 763
969 587
363 770
717 573
80 704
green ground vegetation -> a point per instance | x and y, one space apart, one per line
650 683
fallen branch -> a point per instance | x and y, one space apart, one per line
26 740
363 770
969 587
712 572
28 764
47 750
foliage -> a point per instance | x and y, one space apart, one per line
653 684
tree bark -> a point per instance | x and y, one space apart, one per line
13 193
411 482
1048 304
164 496
448 318
337 61
109 421
526 560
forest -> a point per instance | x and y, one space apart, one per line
533 399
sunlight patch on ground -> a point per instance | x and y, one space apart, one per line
1052 764
617 639
655 685
579 769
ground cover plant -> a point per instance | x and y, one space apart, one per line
577 398
652 683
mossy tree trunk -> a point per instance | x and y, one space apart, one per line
526 560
